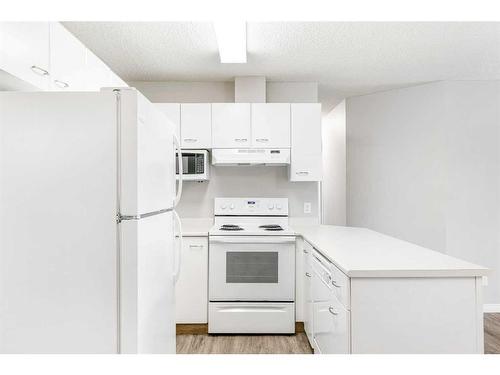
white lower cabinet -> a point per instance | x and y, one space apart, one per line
307 288
191 290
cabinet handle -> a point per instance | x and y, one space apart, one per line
302 173
308 274
241 139
334 283
190 140
332 311
305 251
61 84
262 140
37 70
196 246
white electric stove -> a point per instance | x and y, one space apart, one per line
251 267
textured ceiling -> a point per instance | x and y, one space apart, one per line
344 58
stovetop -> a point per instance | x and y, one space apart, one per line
251 217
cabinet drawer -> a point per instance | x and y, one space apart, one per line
331 328
339 281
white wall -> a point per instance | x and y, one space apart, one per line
258 181
333 187
423 165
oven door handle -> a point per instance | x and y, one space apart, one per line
252 239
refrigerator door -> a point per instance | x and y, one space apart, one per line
147 299
146 165
58 291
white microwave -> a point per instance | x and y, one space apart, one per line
195 165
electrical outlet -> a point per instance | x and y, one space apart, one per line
307 207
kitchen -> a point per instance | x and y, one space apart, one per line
232 209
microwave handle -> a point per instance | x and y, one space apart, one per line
179 166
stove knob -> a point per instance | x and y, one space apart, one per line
223 206
278 206
231 206
270 206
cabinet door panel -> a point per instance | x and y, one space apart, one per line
271 125
306 159
308 301
331 328
67 60
192 287
173 113
24 52
196 125
231 125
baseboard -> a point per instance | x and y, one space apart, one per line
202 329
191 329
491 307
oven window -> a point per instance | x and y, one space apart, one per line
251 267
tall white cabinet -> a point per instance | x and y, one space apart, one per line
306 161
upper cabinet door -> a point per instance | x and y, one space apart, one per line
271 125
173 113
24 52
306 155
97 74
196 125
67 60
231 125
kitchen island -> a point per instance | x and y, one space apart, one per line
365 292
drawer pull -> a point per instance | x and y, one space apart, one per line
262 140
302 173
37 70
196 246
334 283
190 140
241 139
332 311
61 84
305 251
308 274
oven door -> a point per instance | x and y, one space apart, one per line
252 268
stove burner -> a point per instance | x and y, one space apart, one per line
230 227
271 227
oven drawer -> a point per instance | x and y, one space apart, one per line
251 317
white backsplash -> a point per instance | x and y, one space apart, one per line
248 181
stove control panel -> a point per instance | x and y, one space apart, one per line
251 206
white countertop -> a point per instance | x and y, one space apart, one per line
192 227
361 252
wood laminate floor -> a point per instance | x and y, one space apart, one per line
492 333
296 344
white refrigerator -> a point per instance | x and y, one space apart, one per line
88 252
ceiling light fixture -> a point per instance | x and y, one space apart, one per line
232 41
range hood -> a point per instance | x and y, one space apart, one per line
250 156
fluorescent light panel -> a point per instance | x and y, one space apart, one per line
232 41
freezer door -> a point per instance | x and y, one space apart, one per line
147 299
57 223
147 170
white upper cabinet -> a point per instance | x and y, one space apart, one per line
196 125
306 159
97 73
231 126
67 60
173 113
271 125
24 52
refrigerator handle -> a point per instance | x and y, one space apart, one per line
178 248
179 166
